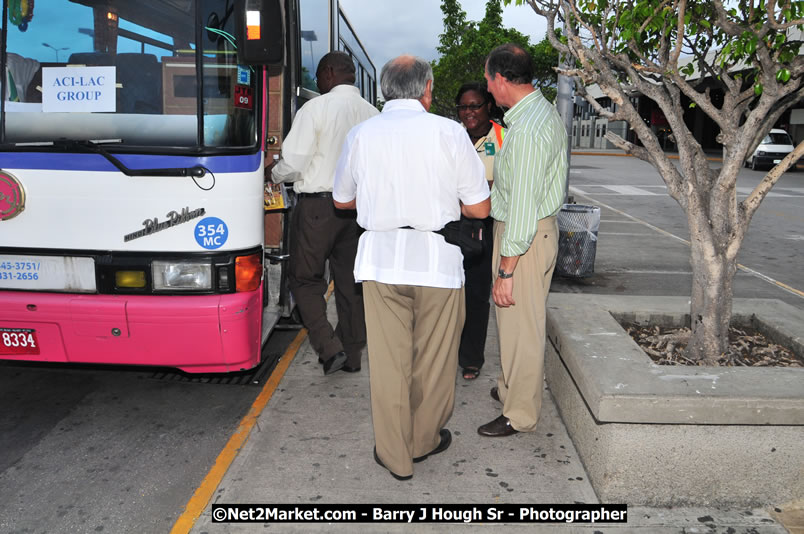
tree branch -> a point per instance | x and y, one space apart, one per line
628 147
748 207
682 9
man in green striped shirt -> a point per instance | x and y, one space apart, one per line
530 172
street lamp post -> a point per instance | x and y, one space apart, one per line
310 36
564 103
57 50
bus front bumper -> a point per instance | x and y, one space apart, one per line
198 334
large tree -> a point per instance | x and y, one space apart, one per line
738 62
464 45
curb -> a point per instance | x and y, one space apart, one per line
797 166
624 155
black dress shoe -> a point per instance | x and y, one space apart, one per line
446 441
495 394
498 428
379 462
347 368
335 363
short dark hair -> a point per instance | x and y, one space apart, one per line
513 62
405 77
481 89
340 62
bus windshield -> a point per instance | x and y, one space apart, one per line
150 73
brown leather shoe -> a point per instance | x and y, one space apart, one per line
498 428
495 394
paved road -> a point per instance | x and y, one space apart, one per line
633 201
90 449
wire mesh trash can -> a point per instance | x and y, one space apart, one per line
577 240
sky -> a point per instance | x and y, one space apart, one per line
389 28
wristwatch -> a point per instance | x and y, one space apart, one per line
503 274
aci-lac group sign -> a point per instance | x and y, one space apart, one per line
78 89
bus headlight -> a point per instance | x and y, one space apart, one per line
187 276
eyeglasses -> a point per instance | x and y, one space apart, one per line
473 107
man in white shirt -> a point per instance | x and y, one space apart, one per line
320 232
408 168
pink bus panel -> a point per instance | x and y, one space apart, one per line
198 334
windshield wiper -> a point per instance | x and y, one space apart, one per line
95 147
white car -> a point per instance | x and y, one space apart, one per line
771 150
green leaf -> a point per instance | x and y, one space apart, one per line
758 89
786 56
692 105
783 75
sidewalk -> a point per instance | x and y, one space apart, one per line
313 443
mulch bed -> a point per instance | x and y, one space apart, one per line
748 348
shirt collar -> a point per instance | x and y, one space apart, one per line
403 103
519 108
345 88
483 140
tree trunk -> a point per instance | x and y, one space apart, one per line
711 303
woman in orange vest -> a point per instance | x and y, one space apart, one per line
476 109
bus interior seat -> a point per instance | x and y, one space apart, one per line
96 59
22 72
140 77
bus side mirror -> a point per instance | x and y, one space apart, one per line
260 32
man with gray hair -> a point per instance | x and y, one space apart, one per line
408 173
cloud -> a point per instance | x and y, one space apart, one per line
388 29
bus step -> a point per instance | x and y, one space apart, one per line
252 377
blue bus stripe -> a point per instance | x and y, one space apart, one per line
96 162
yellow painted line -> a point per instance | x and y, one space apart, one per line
785 216
771 280
200 499
740 266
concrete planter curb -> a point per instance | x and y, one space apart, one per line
674 435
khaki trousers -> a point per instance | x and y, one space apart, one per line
521 327
413 336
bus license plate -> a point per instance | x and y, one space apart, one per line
75 274
18 341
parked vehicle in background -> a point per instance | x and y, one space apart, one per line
771 150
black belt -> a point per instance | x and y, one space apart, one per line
321 194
